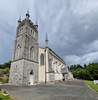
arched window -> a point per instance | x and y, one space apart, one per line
18 48
42 59
32 53
50 64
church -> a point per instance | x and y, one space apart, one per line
32 64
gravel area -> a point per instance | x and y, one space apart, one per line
70 90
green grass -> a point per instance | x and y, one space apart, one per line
4 97
92 85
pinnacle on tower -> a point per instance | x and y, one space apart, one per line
27 14
46 41
46 37
36 24
19 20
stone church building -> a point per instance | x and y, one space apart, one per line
31 64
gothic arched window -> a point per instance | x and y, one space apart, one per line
50 64
32 53
42 59
18 48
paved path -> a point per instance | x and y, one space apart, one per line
71 90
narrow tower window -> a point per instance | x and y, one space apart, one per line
18 51
42 59
31 53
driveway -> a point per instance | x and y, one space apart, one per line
70 90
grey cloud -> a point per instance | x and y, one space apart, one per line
71 26
85 59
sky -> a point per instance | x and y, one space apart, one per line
72 27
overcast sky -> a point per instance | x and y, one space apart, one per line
72 27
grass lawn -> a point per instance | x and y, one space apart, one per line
92 85
4 97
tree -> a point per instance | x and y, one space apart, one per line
87 72
5 65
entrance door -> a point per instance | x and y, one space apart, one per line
31 78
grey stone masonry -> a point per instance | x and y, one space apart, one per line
24 66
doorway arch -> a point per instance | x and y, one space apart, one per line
31 78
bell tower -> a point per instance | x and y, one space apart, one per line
25 56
